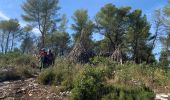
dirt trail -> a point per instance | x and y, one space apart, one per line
28 90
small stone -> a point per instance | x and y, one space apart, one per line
35 85
165 96
7 82
23 89
67 92
30 94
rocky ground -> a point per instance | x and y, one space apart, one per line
28 90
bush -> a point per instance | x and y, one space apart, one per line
132 93
91 85
62 73
102 61
16 59
25 71
88 85
24 60
47 76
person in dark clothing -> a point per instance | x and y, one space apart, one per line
43 59
50 58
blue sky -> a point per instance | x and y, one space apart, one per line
12 9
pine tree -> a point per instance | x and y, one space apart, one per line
43 14
83 28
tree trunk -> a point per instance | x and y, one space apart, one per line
43 40
12 44
154 40
2 43
117 56
7 43
135 49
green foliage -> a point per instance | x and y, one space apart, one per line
88 85
9 32
101 60
16 58
133 93
62 73
83 28
125 30
134 74
112 22
104 63
163 60
43 14
24 60
47 76
27 40
59 42
88 80
8 58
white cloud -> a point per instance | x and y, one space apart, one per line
36 31
3 16
22 24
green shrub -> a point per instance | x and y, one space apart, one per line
25 71
88 85
62 73
131 93
110 96
46 76
102 61
24 60
15 59
91 85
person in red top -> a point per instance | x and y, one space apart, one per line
43 59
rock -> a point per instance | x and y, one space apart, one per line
35 85
23 89
67 93
30 94
162 96
6 82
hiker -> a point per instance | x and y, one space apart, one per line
50 58
43 59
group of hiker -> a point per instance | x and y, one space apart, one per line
46 58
